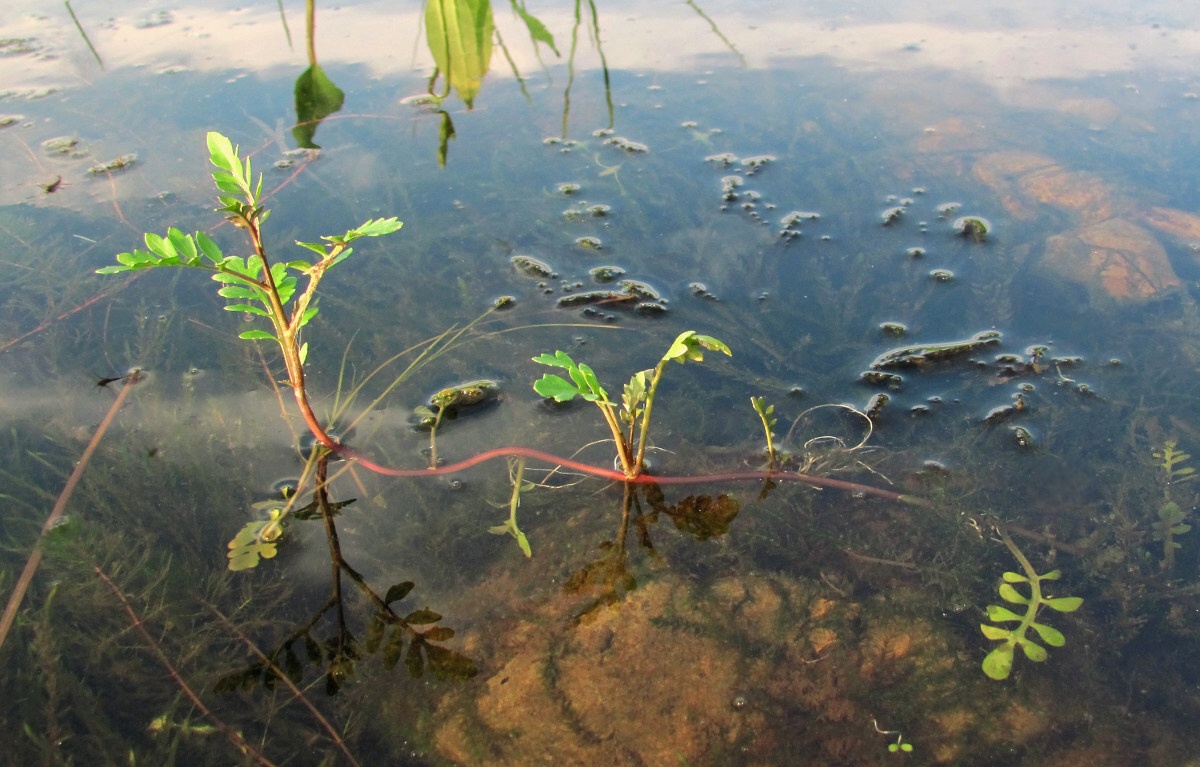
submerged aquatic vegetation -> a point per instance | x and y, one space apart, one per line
998 663
1170 523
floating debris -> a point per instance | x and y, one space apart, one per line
758 162
589 243
501 303
60 145
914 252
892 215
453 400
593 297
650 309
606 273
568 187
941 275
533 267
633 147
599 210
700 290
876 405
894 329
947 209
794 218
729 186
877 378
977 228
1023 437
641 290
123 162
923 355
7 120
724 159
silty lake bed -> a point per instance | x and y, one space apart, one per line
955 249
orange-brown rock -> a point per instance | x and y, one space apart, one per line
1113 257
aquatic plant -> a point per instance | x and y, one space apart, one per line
637 401
998 663
766 414
1170 523
256 286
899 746
516 475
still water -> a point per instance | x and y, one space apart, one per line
954 248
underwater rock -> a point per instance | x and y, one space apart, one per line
1115 257
741 670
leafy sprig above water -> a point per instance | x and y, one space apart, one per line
999 662
637 399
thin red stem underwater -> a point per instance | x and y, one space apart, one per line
642 479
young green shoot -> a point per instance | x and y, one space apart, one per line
637 399
766 414
255 285
516 474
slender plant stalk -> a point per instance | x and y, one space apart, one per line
35 557
297 693
240 743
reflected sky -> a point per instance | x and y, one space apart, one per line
1003 44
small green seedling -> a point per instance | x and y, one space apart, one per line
766 414
637 400
998 663
899 746
516 474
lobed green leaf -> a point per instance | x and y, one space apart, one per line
1049 634
995 632
999 613
559 359
1034 651
1063 604
556 387
998 663
1010 594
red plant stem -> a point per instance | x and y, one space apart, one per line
35 557
642 479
